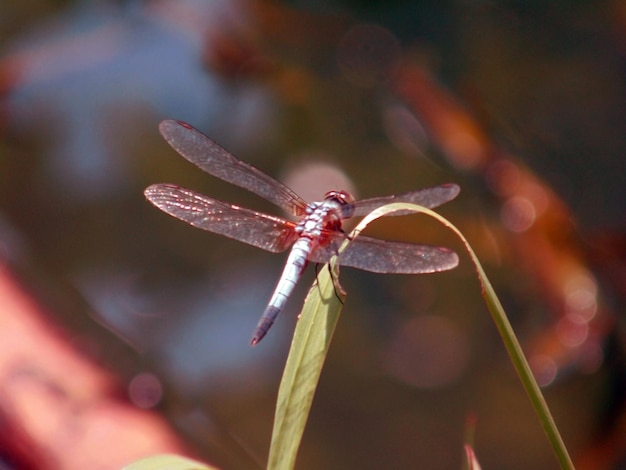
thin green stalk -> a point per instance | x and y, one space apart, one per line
309 348
312 340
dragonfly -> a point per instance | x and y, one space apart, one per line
315 236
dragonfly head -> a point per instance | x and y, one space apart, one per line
343 199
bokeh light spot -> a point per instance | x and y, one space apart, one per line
145 390
312 180
572 330
581 296
518 214
544 369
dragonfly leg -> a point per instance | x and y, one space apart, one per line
339 292
338 288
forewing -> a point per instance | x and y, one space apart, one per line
261 230
215 160
379 256
428 197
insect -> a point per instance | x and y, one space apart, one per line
315 237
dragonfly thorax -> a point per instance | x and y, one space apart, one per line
323 215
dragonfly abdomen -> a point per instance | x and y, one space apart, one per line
294 266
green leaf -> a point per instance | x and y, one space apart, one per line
309 347
507 334
167 462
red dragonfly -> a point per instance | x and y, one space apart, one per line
315 237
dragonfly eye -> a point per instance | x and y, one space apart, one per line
344 199
341 197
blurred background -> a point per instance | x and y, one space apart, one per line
521 103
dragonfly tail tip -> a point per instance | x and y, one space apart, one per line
257 337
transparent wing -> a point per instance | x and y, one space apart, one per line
261 230
379 256
215 160
428 197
